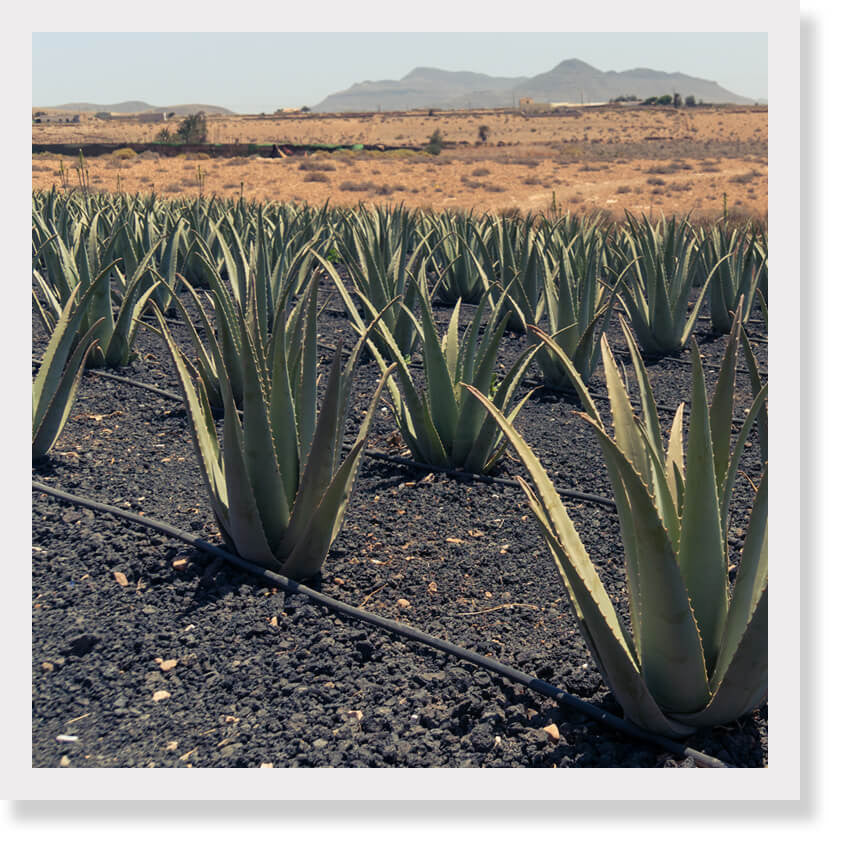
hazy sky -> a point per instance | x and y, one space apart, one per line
254 72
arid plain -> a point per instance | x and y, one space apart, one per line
609 158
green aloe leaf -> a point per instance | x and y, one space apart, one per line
670 648
702 557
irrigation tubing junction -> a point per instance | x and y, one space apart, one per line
289 586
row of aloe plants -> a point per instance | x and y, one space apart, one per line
279 485
564 274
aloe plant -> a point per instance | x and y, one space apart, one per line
441 424
90 265
385 260
57 380
696 654
730 251
277 484
517 263
578 306
656 290
457 240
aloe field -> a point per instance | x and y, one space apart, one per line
388 487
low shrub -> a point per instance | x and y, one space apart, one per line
319 165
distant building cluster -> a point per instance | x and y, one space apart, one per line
529 105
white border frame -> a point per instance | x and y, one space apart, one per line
781 780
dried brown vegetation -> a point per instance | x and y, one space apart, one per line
528 163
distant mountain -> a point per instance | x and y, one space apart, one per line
570 81
139 107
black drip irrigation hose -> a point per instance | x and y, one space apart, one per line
113 377
469 477
685 363
563 698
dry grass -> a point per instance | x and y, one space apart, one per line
598 125
578 174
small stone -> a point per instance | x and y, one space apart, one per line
356 714
121 579
166 664
83 644
180 563
67 738
338 581
552 731
273 621
402 603
171 746
231 751
64 762
267 766
47 666
432 588
319 744
161 695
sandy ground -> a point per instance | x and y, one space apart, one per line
617 124
613 159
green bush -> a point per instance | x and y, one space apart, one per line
193 129
435 143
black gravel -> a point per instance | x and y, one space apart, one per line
148 653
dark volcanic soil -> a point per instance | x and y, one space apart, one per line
150 653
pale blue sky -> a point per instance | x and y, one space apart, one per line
253 72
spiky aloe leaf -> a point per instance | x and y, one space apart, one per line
325 518
246 525
670 648
722 403
702 557
202 430
263 469
607 637
756 387
57 381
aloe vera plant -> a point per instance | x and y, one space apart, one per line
656 291
57 380
457 240
90 266
696 654
730 251
441 424
578 305
277 484
385 260
516 261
